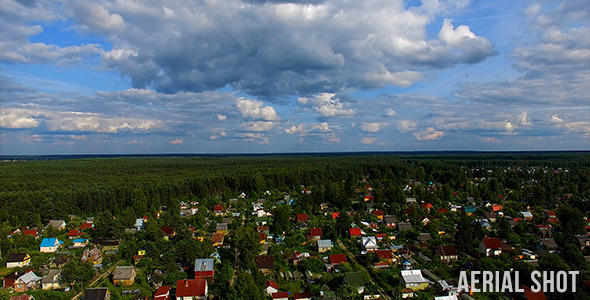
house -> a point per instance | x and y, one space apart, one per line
124 275
280 296
583 241
32 232
221 228
447 253
168 232
57 224
315 234
369 243
491 246
378 213
217 239
27 281
497 207
413 279
355 232
490 216
424 237
50 245
390 221
108 244
527 215
205 268
74 234
411 201
385 256
324 246
87 225
97 294
59 261
337 259
355 279
92 255
549 245
265 263
402 226
271 287
218 209
80 243
51 280
139 224
18 260
191 289
22 297
163 293
137 257
335 215
301 217
407 293
9 280
543 231
469 210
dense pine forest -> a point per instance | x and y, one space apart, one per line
33 192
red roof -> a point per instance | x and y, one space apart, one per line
272 284
551 213
337 258
217 207
355 231
378 212
301 217
497 207
86 226
335 215
167 230
74 233
384 254
191 287
443 211
315 232
217 238
280 295
492 243
262 236
447 250
426 205
30 232
163 293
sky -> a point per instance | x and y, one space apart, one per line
275 76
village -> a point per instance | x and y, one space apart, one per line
273 244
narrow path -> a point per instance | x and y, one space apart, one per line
355 262
235 273
97 279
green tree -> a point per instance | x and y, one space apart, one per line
247 242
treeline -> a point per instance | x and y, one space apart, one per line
33 192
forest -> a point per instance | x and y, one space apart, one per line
116 191
33 192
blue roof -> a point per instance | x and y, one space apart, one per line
79 240
50 242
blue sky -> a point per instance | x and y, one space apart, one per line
263 76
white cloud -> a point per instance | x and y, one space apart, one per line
522 119
252 137
368 141
390 112
429 135
259 126
221 117
254 109
327 105
176 142
407 125
18 118
373 127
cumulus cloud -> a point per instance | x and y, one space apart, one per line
373 127
327 105
390 112
407 125
72 121
259 126
176 142
221 117
254 109
276 48
429 135
253 137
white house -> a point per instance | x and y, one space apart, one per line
369 243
